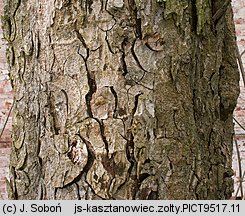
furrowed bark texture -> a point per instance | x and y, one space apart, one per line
121 99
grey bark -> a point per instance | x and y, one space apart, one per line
121 99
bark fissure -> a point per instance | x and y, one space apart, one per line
116 101
90 78
136 59
219 9
102 133
123 64
194 19
108 43
92 90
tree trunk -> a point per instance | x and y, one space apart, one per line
121 99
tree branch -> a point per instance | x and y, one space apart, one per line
239 124
239 167
6 121
239 59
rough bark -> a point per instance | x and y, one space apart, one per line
121 99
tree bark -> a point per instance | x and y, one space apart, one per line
121 99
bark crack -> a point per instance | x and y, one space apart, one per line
152 49
123 56
113 17
136 58
90 76
91 154
194 16
175 123
136 101
116 101
82 40
92 89
90 160
132 8
123 64
102 133
88 4
108 43
77 191
210 83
